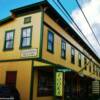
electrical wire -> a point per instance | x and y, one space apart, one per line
87 21
72 20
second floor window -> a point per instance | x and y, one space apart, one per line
26 37
85 63
90 69
72 55
94 68
79 58
9 40
63 49
50 46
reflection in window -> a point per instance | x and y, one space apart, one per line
63 49
50 46
79 59
72 55
9 40
26 37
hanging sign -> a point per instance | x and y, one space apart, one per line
59 83
29 53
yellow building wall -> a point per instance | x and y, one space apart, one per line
23 69
56 56
17 24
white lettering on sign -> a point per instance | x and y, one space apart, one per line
29 53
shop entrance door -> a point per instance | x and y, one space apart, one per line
11 78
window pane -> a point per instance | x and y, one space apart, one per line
9 44
26 32
73 51
50 36
79 59
50 46
50 41
73 59
72 55
63 49
79 56
64 45
26 37
9 36
26 42
63 53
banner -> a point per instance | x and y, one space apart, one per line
59 83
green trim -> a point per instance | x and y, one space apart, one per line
28 6
41 34
63 41
53 64
50 32
32 81
8 49
26 47
7 19
28 13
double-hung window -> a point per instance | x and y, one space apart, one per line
50 46
72 55
85 62
90 69
79 58
26 37
63 49
93 67
9 40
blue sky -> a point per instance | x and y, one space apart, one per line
7 5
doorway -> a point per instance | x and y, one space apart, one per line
11 77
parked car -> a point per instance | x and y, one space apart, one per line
9 92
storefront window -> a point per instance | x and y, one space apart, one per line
45 83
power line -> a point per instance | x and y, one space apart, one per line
64 13
87 21
61 9
72 20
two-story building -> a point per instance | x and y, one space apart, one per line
43 57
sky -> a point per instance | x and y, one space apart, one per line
91 9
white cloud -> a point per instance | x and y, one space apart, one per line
91 9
